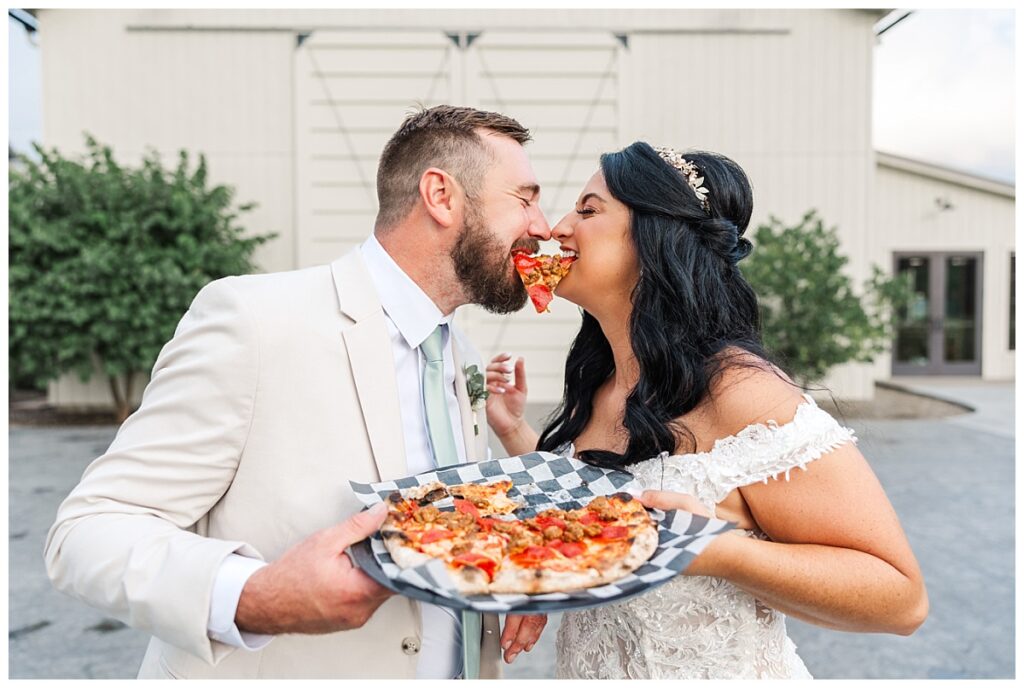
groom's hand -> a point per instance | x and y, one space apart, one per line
520 633
313 587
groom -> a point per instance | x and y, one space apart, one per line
216 520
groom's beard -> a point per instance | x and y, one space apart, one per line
484 267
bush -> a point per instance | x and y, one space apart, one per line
105 259
811 318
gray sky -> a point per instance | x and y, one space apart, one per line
944 90
24 90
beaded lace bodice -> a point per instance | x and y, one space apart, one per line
698 626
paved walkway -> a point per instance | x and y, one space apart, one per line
992 402
950 480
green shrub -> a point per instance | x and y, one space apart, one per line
105 259
811 316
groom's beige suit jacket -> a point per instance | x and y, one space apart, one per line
274 392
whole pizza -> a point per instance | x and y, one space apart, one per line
488 550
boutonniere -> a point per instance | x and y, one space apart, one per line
477 390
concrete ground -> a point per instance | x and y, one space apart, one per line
950 479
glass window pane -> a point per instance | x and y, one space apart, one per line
960 305
1013 302
912 331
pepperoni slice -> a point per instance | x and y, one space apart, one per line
541 296
486 524
589 518
534 555
614 533
548 521
435 534
485 564
464 506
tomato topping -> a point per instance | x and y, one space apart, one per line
588 518
485 564
486 524
464 506
614 533
435 534
571 549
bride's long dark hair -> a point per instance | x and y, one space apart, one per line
690 303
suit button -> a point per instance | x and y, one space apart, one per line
410 646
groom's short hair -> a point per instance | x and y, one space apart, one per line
444 136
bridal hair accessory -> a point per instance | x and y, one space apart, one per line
693 177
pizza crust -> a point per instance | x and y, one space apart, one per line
401 553
426 494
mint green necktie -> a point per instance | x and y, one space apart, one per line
435 403
439 426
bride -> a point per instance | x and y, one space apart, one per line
667 379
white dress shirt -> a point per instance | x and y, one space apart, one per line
411 317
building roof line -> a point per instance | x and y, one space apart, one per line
26 18
946 174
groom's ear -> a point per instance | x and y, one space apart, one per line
441 196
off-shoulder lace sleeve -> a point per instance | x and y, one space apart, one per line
755 454
770 450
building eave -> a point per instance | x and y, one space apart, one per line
945 174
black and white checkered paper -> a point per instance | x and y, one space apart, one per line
540 481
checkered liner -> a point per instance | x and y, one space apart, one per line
540 480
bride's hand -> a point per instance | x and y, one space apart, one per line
715 556
520 633
726 510
670 501
507 400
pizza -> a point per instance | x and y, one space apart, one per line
541 274
491 498
487 550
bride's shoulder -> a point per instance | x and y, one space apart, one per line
748 390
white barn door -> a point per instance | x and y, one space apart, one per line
352 90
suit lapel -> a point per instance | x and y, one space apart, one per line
373 367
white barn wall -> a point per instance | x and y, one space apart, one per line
784 92
227 95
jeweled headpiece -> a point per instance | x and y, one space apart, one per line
689 170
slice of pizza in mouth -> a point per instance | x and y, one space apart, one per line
487 550
541 275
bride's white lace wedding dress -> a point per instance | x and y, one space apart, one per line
696 626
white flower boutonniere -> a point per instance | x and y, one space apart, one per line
477 390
